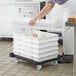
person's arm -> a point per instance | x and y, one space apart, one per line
42 13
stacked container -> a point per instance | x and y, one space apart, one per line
36 45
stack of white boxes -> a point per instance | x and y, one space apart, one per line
36 45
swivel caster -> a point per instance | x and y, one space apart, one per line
17 60
55 62
39 67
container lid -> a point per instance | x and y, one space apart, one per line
39 25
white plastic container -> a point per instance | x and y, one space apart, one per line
36 45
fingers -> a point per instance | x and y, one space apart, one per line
31 22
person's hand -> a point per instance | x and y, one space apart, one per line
32 21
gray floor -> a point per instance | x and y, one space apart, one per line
8 66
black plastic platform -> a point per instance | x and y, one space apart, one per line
30 60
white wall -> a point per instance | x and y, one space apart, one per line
9 1
73 6
6 1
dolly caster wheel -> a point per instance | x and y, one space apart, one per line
55 62
17 60
39 67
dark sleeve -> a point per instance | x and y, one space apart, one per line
50 1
